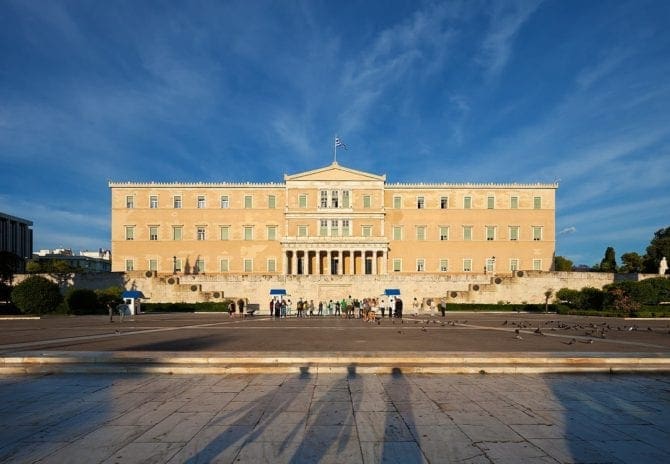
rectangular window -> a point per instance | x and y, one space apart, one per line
153 201
490 202
490 232
537 233
225 265
248 233
537 202
444 233
201 201
302 201
397 264
444 202
397 233
421 233
248 201
537 264
130 232
199 266
224 232
302 231
367 201
272 232
200 233
176 232
334 232
420 202
130 202
345 228
467 265
514 264
346 199
420 265
467 232
153 233
177 201
248 265
272 265
467 202
514 202
444 265
323 227
334 202
153 264
225 202
324 199
130 265
366 231
177 265
272 201
397 202
514 232
490 264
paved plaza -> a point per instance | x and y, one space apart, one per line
347 415
348 418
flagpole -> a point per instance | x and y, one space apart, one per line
335 143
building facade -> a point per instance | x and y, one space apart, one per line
332 221
16 236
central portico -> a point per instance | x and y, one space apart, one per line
342 232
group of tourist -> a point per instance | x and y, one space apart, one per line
366 308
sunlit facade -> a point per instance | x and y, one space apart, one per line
332 221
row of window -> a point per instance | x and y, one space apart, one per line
198 266
332 199
341 228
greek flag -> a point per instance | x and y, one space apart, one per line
339 143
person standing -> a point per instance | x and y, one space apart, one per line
415 306
398 308
320 313
240 307
284 305
337 308
278 306
272 307
231 309
382 306
311 308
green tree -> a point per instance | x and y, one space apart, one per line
657 249
109 295
548 294
608 263
568 296
83 301
9 265
591 298
631 262
562 264
36 295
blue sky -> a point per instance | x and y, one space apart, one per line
510 91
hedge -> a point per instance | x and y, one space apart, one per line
218 307
533 308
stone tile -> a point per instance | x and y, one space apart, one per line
178 427
29 452
539 430
208 402
273 380
213 444
12 434
426 417
514 452
263 452
330 413
239 414
326 393
491 431
573 451
257 393
372 405
390 452
149 413
382 426
632 451
439 442
516 416
96 446
144 453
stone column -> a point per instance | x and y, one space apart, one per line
384 262
340 262
374 262
352 265
294 263
285 262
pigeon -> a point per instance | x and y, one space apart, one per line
572 342
423 329
400 331
538 331
504 323
649 329
516 331
518 337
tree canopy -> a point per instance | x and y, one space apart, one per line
657 249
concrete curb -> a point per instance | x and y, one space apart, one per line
348 363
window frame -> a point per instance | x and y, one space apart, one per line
224 201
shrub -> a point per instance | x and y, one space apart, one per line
36 295
591 298
568 296
83 301
110 296
185 307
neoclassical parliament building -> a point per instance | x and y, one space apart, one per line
332 221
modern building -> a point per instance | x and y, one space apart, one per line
85 261
16 236
332 221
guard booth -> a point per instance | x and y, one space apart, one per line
131 298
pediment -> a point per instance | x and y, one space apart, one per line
334 172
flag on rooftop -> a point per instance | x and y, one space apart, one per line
339 143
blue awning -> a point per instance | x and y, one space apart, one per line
132 294
277 291
392 291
